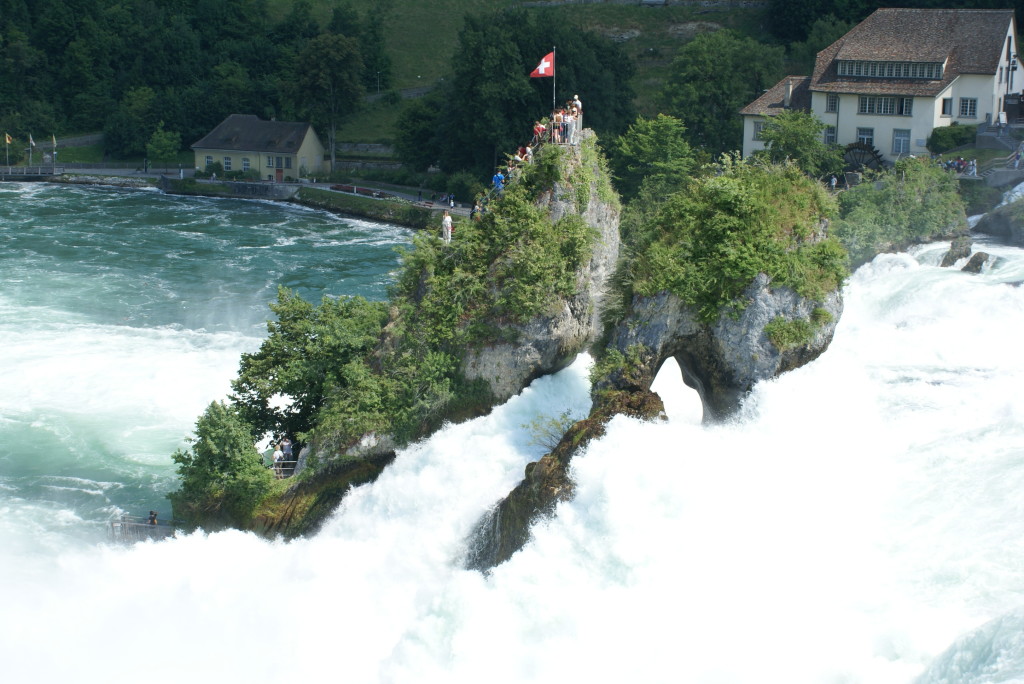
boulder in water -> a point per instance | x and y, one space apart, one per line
976 263
959 248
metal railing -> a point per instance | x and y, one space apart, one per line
129 529
42 170
283 469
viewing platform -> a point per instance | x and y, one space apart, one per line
129 529
29 172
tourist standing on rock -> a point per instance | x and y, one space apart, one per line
278 457
499 181
446 228
538 133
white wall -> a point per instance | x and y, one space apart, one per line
749 144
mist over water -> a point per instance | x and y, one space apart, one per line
860 516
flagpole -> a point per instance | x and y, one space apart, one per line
554 75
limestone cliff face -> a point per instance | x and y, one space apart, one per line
724 360
541 345
550 342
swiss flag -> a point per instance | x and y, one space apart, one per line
546 66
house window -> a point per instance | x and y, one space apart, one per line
905 106
969 107
830 135
870 104
947 106
245 163
866 136
280 162
270 162
287 162
227 163
901 141
209 161
929 70
831 103
758 129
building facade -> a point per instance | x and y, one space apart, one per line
275 150
900 74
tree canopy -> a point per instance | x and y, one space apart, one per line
223 477
796 135
711 79
652 151
489 103
86 65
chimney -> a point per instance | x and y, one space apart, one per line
789 93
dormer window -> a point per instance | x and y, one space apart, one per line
928 70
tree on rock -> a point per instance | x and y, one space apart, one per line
223 477
797 136
711 79
652 151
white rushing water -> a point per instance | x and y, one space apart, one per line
861 515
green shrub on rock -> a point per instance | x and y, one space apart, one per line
223 477
709 241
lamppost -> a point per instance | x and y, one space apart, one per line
378 83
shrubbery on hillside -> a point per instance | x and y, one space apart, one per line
709 241
915 201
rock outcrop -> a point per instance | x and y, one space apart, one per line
518 353
506 528
976 263
1005 222
959 248
724 360
550 342
721 361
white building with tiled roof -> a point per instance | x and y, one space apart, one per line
274 150
898 75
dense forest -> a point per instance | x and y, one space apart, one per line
125 66
122 67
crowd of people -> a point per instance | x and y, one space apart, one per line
561 128
961 166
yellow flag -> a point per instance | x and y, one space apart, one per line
8 138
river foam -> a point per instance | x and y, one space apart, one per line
859 518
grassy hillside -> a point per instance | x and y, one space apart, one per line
421 38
